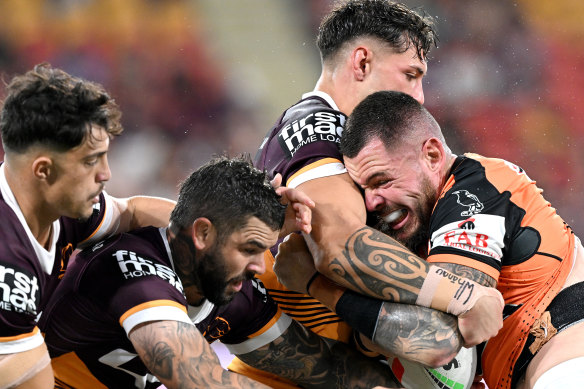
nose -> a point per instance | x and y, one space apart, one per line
104 174
257 264
418 92
373 201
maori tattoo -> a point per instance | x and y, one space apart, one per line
306 359
378 266
180 357
417 333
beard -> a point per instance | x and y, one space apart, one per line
212 278
417 240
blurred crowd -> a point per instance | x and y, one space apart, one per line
506 80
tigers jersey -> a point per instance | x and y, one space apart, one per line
128 280
490 216
29 273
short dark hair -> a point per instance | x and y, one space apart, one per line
391 22
388 115
228 191
50 107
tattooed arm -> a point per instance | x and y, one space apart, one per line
180 357
304 358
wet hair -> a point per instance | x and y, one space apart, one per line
393 23
49 107
393 117
227 192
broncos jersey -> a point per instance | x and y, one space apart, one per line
492 217
127 280
303 145
29 273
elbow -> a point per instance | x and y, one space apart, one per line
440 358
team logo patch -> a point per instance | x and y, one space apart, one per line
133 266
315 127
19 290
471 203
480 234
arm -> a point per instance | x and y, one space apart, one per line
142 211
178 355
402 330
369 262
304 358
29 369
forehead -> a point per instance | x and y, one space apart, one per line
372 161
254 231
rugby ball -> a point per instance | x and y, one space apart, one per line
458 374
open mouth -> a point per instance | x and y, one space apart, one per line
395 218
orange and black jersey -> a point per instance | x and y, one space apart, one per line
492 217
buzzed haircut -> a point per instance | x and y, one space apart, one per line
228 191
50 107
391 22
388 115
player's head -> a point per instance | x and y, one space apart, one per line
390 22
382 45
48 107
56 130
395 150
230 215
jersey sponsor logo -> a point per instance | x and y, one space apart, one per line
19 291
469 201
133 266
259 286
480 234
315 127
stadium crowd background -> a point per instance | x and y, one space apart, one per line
197 78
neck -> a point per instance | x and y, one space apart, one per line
339 88
184 257
30 200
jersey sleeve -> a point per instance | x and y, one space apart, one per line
253 320
472 221
304 145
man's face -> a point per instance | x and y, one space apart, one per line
397 189
402 72
237 258
79 176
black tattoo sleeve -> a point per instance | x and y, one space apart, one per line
378 266
304 358
419 334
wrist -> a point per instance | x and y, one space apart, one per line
447 292
325 291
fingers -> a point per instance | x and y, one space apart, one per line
303 217
290 195
276 181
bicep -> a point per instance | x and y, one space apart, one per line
179 356
339 211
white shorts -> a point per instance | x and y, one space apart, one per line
566 375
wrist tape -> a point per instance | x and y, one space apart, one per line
447 292
359 311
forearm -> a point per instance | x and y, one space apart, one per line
416 333
304 358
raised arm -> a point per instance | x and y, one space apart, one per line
179 356
306 359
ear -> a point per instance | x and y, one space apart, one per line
361 62
433 154
204 233
43 168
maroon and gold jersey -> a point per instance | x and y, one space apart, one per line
303 145
492 217
29 273
128 280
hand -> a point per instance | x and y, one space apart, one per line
483 320
294 265
298 212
